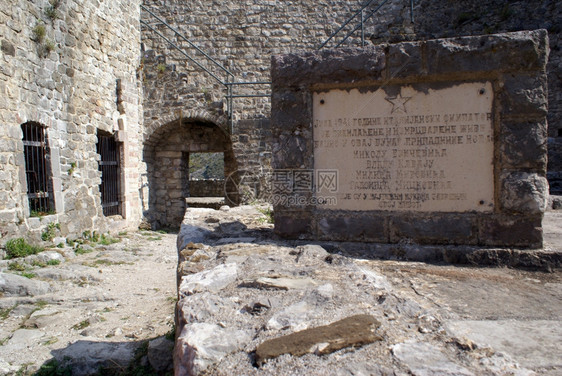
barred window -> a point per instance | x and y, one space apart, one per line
37 169
109 165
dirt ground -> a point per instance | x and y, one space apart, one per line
115 294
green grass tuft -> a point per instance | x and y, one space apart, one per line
20 248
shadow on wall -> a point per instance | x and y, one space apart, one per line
166 154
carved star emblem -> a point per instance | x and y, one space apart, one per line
398 103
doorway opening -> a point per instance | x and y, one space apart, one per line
185 159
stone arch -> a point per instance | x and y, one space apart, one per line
166 154
194 115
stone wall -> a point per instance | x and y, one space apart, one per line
243 35
512 65
206 188
80 78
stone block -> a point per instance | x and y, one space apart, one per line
293 225
523 145
437 229
404 60
523 192
353 331
369 228
291 109
524 95
327 66
515 231
518 51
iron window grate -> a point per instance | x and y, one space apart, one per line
109 166
39 189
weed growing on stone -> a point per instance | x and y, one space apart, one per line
107 240
5 312
72 168
49 46
150 236
161 68
28 274
17 267
50 341
268 213
52 13
81 251
21 269
41 214
60 245
53 262
38 264
81 325
50 231
92 237
39 32
20 248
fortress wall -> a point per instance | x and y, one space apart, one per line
78 80
243 36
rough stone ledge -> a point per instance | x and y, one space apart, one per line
259 301
543 259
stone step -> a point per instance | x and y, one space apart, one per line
205 202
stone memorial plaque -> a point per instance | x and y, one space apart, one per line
426 147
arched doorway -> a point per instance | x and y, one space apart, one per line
167 154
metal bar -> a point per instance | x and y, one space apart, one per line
345 23
249 83
184 38
357 27
34 143
184 53
229 108
251 96
362 31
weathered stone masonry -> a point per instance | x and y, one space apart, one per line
89 83
515 66
85 84
243 35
